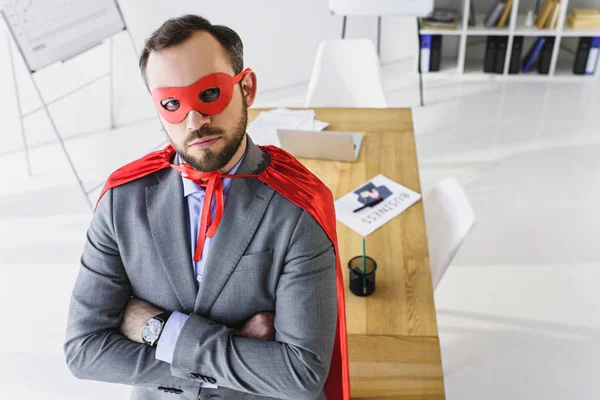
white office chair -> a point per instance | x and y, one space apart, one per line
346 73
449 218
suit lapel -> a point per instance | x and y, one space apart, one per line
246 203
167 215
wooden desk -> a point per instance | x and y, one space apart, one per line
392 335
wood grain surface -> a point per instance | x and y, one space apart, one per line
393 338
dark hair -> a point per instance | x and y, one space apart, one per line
177 30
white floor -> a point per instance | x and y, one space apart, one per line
518 311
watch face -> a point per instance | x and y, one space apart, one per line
151 330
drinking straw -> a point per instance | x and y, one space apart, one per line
364 259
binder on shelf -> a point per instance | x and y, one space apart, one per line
490 54
425 52
533 54
581 55
592 60
436 53
515 56
501 43
546 56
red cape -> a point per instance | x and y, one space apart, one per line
292 180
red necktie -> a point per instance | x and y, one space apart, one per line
212 182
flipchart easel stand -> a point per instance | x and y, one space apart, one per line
45 105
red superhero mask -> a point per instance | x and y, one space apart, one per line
210 95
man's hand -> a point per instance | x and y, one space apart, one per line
137 313
261 326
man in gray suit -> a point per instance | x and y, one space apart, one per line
248 313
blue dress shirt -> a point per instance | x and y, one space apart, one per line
195 198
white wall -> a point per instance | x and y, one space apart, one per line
280 39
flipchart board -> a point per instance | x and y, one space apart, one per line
48 31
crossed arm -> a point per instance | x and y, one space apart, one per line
137 312
104 326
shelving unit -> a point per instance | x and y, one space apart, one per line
467 68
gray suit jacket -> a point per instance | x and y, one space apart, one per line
267 255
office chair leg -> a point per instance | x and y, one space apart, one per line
379 37
419 62
18 102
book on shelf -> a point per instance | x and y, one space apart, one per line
586 13
584 18
543 66
545 13
582 24
472 20
553 20
505 14
515 56
533 53
439 25
441 19
593 56
494 14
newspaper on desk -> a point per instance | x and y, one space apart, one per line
263 130
381 199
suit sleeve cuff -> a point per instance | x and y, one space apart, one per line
169 336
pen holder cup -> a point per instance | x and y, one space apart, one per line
362 283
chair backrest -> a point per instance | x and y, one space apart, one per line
449 218
346 73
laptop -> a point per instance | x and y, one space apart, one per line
322 145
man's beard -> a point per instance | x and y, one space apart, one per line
211 160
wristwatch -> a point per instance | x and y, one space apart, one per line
154 327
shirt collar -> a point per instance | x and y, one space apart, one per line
189 187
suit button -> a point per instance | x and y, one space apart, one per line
178 391
211 380
197 377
